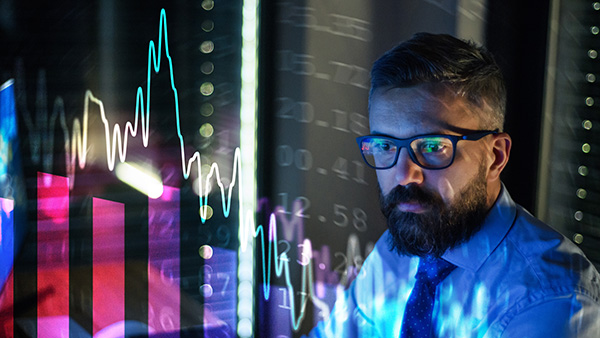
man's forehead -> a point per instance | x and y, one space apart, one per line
420 109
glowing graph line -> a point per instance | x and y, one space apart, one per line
282 267
76 146
41 136
249 228
120 142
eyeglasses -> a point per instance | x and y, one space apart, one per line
427 151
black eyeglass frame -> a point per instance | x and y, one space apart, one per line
405 143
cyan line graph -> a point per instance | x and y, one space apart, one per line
41 137
76 148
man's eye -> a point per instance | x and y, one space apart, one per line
384 146
434 147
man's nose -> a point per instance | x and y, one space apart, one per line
406 170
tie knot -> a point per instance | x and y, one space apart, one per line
433 270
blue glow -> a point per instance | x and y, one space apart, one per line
7 239
8 134
8 125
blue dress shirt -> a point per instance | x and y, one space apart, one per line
516 277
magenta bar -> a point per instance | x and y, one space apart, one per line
7 247
108 265
52 255
163 263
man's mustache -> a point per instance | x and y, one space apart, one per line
410 193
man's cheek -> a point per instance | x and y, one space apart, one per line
447 190
385 183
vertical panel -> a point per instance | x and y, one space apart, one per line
52 255
108 300
6 263
569 171
163 262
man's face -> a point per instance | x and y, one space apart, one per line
429 211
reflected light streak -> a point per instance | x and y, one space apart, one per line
247 196
140 178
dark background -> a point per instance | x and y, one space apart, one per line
314 58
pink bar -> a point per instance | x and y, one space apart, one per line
6 249
53 255
7 308
163 263
108 264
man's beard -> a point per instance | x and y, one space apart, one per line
440 227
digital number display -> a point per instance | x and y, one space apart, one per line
127 177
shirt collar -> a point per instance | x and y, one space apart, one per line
473 253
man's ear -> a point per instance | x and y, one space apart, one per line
500 153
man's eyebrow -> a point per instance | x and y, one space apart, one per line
377 133
440 131
455 129
442 128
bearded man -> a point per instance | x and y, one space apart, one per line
460 257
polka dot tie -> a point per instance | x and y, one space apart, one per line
417 315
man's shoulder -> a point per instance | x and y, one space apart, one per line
544 260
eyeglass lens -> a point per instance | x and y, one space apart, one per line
429 152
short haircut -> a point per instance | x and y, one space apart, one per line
463 67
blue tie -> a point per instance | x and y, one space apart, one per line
419 307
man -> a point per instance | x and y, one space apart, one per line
460 258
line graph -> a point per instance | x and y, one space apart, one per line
41 138
117 139
282 268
